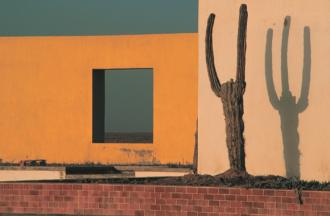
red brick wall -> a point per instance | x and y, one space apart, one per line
108 199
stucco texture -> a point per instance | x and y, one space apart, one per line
294 141
46 97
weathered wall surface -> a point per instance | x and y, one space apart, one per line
296 139
46 97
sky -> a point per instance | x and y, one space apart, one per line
97 17
129 100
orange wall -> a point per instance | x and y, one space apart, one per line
46 97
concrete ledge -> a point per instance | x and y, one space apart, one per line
101 176
38 173
156 168
31 175
143 174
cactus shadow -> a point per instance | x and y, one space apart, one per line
287 106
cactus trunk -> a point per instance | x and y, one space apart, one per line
232 101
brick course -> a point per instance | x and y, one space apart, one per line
143 200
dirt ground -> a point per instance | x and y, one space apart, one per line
228 180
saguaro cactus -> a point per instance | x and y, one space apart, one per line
286 105
231 92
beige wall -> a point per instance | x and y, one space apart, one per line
264 144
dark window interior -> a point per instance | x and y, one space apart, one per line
123 105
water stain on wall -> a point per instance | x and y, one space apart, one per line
143 156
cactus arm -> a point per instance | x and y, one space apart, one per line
241 43
284 56
214 80
273 98
303 100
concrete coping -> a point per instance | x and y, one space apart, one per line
151 168
48 168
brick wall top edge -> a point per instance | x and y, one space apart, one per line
11 184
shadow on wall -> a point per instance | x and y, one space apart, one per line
287 106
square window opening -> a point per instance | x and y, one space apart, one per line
123 105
